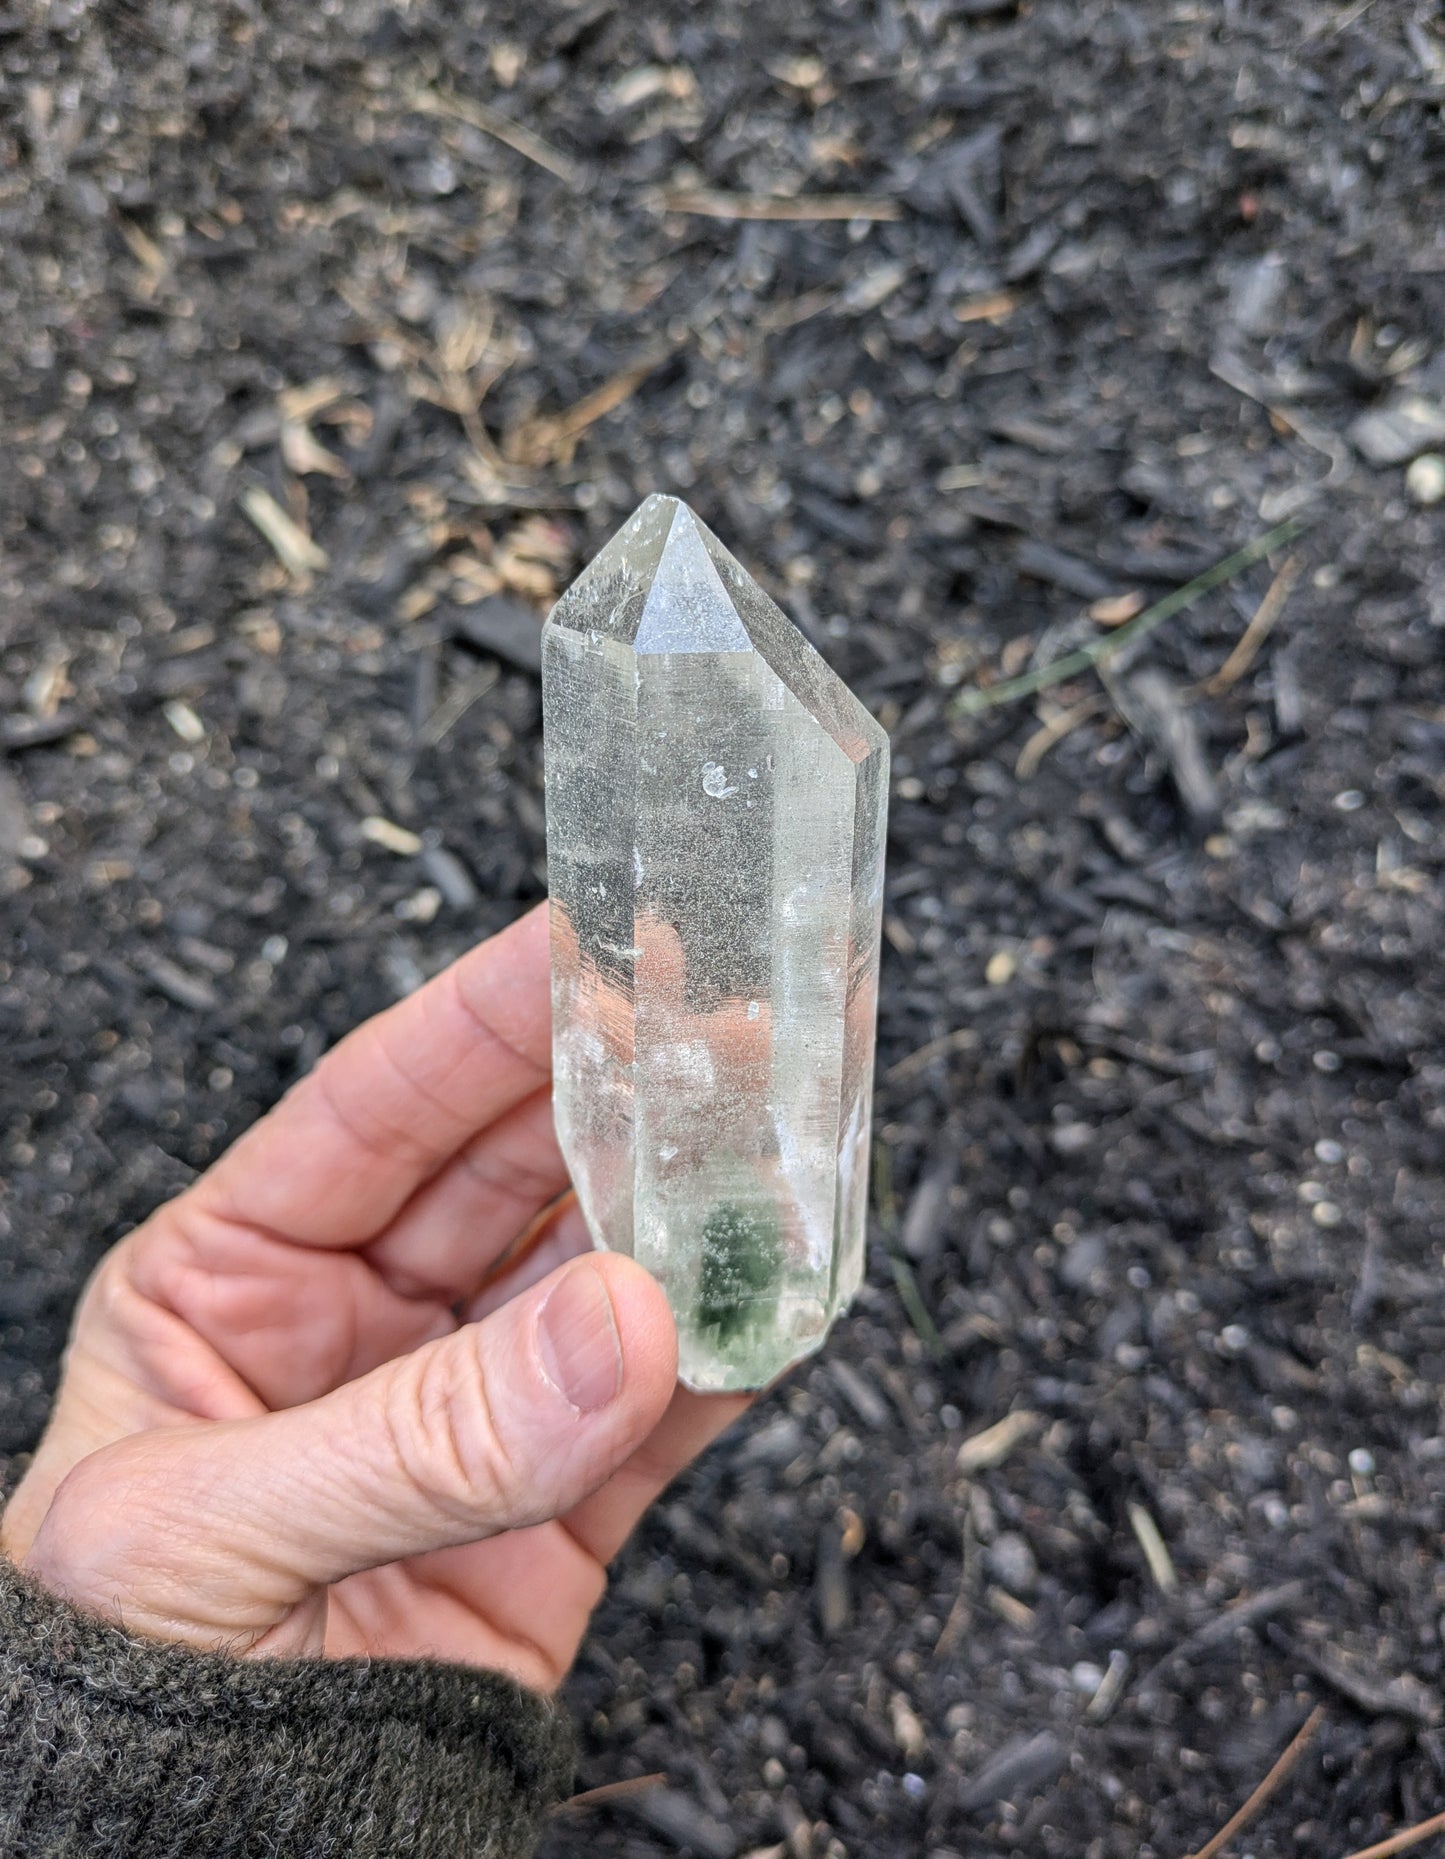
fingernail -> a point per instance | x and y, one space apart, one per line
577 1335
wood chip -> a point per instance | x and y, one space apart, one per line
1114 609
909 1731
1243 1613
682 1822
1041 561
148 255
960 478
184 721
1157 707
311 397
1405 426
463 694
1377 1692
48 683
1156 1550
296 552
305 455
1112 1683
854 1535
31 732
962 1039
831 1583
1020 1768
983 1451
508 629
860 1394
1052 441
176 983
14 818
1010 1609
709 203
922 1226
391 837
996 307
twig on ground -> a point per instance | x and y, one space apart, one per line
1258 629
1269 1787
960 1615
459 353
513 135
552 438
456 704
1061 724
1402 1842
961 1039
1099 650
608 1793
1110 1685
444 369
709 203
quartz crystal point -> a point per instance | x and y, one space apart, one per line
716 804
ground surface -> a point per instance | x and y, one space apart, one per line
1161 1075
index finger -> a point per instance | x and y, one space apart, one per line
342 1152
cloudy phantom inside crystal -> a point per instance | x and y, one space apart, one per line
716 804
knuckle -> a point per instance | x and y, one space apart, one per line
444 1439
126 1536
80 1545
103 1299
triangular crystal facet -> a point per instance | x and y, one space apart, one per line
687 608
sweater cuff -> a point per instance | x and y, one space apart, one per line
116 1747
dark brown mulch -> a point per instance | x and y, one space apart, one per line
1161 1086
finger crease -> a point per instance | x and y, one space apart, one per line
487 1031
378 1142
522 1182
433 1100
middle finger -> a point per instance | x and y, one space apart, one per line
449 1236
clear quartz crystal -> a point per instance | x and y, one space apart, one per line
716 804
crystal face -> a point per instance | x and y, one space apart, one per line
716 805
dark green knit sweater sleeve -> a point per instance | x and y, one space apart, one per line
112 1747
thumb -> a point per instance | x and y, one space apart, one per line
217 1532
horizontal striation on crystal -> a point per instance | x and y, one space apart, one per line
716 805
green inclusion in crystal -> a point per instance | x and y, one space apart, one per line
742 1259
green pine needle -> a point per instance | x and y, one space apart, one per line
970 703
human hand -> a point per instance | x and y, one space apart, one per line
311 1406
